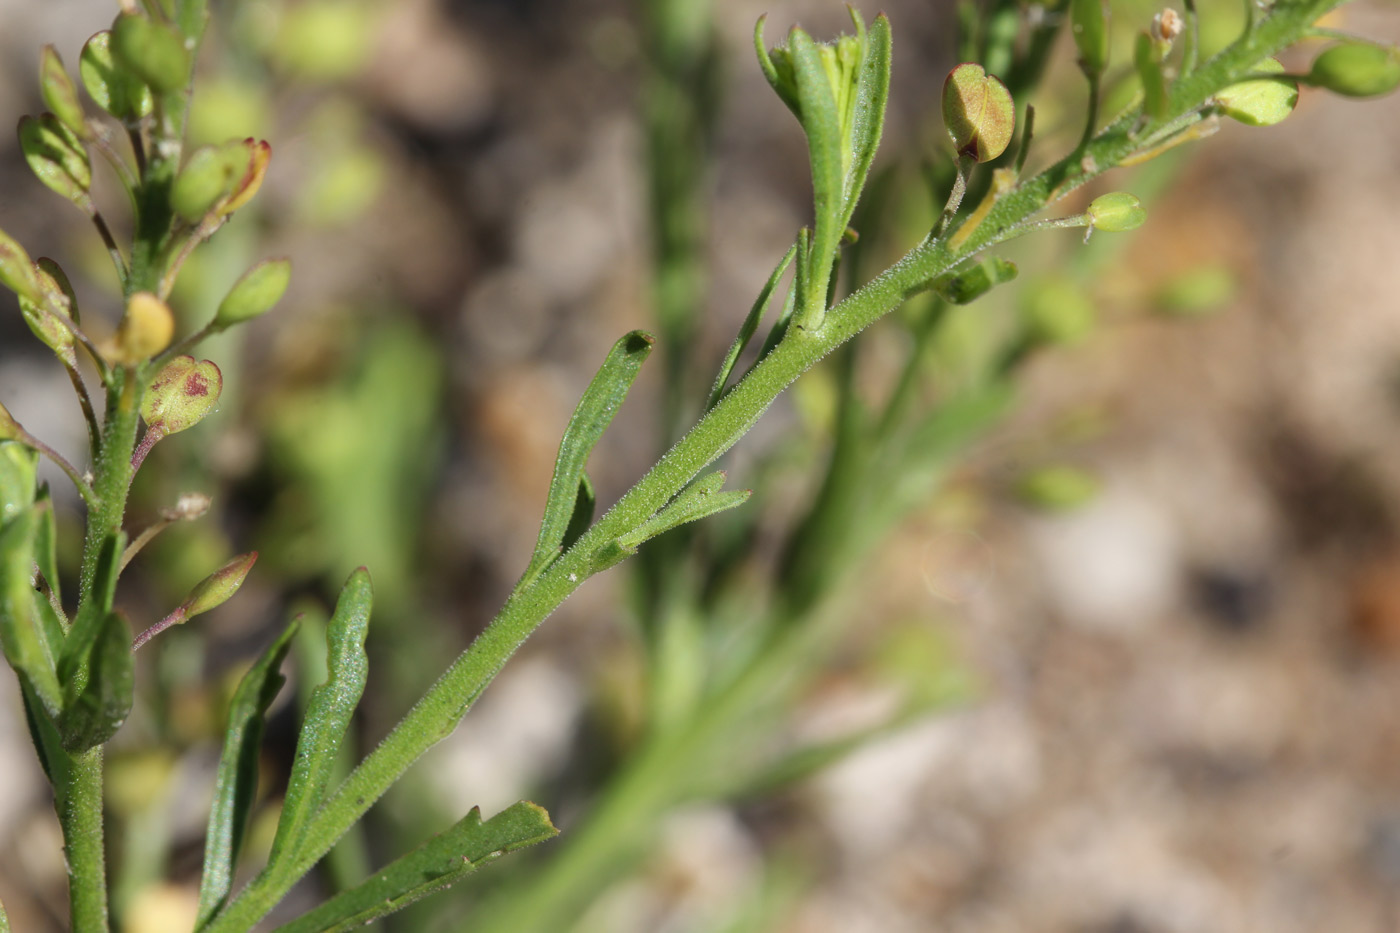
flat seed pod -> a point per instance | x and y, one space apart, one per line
110 84
152 51
182 394
60 93
259 289
1262 101
57 157
978 112
1118 212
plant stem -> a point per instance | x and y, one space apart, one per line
436 715
81 818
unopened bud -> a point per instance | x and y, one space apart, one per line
152 51
1118 212
1357 69
978 112
146 328
59 92
217 588
1167 25
260 288
110 83
181 395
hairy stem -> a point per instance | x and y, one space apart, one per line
83 844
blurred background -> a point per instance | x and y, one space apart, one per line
1114 650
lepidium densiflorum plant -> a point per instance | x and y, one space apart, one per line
76 664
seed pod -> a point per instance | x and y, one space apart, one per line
217 588
207 178
1118 212
152 51
250 158
255 293
1089 25
110 84
59 92
978 112
57 157
17 270
1357 69
42 316
181 395
1262 101
146 328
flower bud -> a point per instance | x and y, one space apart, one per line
57 156
1357 69
181 395
109 83
17 270
1166 26
978 112
1089 25
1118 212
250 158
260 288
59 92
1262 101
152 51
217 588
146 328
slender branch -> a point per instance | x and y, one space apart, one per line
85 401
138 149
966 164
204 231
175 618
113 250
184 346
148 440
80 814
1092 119
67 323
1027 137
81 484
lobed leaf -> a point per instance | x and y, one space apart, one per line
95 707
433 866
591 418
328 714
236 783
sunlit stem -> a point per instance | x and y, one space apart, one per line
966 164
85 402
175 618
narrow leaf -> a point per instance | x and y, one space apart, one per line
591 418
87 626
236 784
328 714
700 499
585 505
19 624
747 329
869 117
821 123
94 712
48 746
433 866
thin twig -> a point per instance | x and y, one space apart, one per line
175 618
112 249
148 440
966 164
1027 137
84 490
204 231
89 415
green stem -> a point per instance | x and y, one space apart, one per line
81 818
436 715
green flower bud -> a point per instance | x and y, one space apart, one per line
154 52
181 395
1116 213
110 84
1262 101
17 270
58 157
978 112
977 281
1057 311
146 328
217 588
260 288
207 178
60 94
1089 26
1357 69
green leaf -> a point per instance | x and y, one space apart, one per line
152 51
93 712
433 866
191 16
91 617
591 418
328 714
1262 101
25 647
259 289
585 505
46 541
700 499
19 470
821 123
236 784
868 117
59 92
111 86
48 746
748 328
